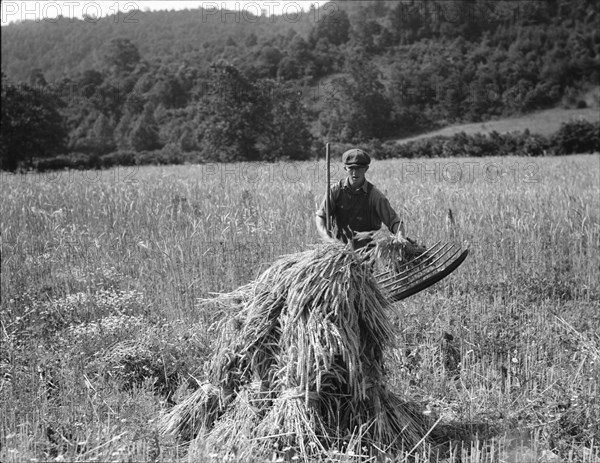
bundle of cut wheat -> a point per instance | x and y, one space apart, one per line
388 252
299 365
197 412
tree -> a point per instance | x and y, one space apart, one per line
187 141
235 113
247 120
37 78
123 130
251 40
359 109
168 92
405 20
103 135
289 69
144 133
121 55
379 8
32 127
286 135
89 82
366 34
334 26
325 59
268 61
299 61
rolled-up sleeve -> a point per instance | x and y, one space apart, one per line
384 210
322 210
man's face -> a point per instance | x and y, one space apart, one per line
356 175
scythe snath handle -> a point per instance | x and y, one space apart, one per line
328 179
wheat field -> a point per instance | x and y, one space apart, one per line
102 272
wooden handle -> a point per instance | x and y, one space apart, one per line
328 179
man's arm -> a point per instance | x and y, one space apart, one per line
385 211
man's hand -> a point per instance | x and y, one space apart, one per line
400 231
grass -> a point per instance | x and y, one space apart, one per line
102 331
545 122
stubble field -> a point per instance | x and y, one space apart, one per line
102 271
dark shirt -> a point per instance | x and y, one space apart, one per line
359 210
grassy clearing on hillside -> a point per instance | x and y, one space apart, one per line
544 123
102 272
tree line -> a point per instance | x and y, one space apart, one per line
364 71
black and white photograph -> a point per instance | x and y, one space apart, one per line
300 231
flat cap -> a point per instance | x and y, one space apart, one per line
356 158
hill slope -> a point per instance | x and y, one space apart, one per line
542 122
189 83
66 47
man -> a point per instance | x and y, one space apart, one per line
355 204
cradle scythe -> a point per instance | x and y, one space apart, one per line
433 265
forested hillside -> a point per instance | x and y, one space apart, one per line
206 85
65 47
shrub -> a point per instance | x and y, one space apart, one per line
170 154
534 145
55 163
74 160
119 158
579 136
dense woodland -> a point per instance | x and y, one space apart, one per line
201 85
